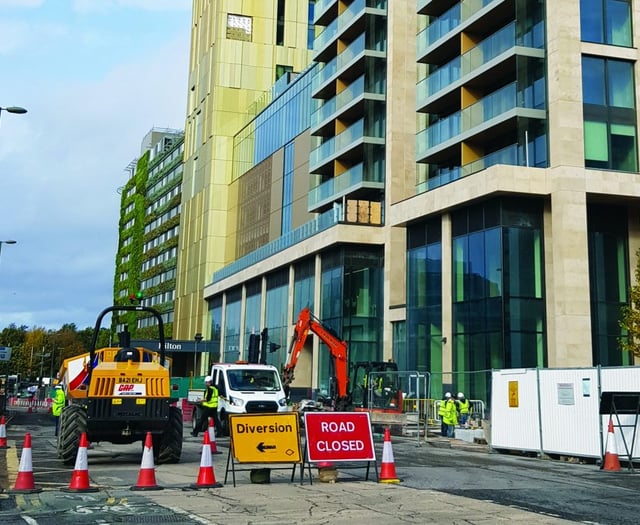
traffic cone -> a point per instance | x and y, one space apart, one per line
3 433
212 437
206 476
611 461
25 482
80 477
388 468
147 475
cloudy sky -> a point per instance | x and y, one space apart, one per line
95 77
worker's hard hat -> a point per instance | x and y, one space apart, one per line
448 394
207 379
460 394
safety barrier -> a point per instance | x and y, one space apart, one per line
476 410
33 403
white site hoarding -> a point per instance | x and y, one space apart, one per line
557 411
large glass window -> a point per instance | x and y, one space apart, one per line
276 315
424 299
606 22
498 292
303 288
608 281
215 313
232 326
609 114
252 313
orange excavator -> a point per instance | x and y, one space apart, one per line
341 397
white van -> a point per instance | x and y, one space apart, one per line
247 388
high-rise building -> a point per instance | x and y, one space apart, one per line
148 235
465 196
238 51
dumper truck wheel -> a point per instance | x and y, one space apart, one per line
169 448
72 425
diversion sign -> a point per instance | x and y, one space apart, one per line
265 438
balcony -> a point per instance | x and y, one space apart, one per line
324 11
458 18
496 48
348 104
512 155
503 104
328 150
352 54
343 185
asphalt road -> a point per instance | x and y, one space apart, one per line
442 481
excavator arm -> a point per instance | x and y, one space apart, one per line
308 323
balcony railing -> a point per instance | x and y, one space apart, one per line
491 47
330 107
355 49
320 223
491 106
343 184
511 155
335 144
448 21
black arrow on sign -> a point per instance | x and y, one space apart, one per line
262 447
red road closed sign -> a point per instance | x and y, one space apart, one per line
338 436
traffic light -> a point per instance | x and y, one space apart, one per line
133 297
254 348
264 345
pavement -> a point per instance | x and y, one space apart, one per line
350 500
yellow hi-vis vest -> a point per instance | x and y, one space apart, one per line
58 402
463 406
210 397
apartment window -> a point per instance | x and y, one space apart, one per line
609 114
239 27
311 31
280 24
606 22
282 70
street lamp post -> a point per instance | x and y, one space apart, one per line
198 338
6 242
13 109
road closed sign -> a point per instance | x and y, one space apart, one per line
265 438
338 436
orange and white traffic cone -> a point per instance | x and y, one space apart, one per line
80 477
206 476
388 468
3 433
25 482
212 437
147 475
611 460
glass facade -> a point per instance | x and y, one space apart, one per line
232 326
280 122
253 292
498 289
424 298
303 287
609 281
215 314
276 315
351 299
608 91
606 22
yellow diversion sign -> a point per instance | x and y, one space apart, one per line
265 438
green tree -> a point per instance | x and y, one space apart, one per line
630 316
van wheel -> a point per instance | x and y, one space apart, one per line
224 423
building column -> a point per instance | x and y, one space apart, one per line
447 300
567 280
